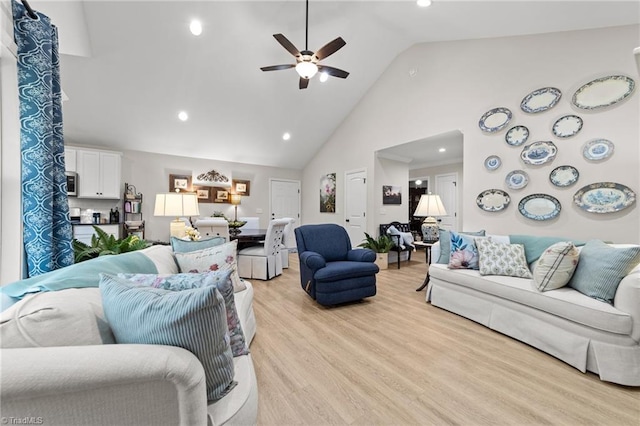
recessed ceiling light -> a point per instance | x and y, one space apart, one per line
195 27
286 136
324 77
442 150
418 182
183 116
424 3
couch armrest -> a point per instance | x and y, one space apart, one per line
312 260
104 384
627 299
361 255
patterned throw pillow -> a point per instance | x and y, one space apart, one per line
556 266
219 279
218 258
464 254
445 244
191 319
502 259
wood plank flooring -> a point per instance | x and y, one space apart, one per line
393 359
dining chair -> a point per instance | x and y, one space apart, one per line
213 227
263 261
288 241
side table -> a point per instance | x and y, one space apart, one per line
427 258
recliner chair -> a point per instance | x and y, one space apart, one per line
331 272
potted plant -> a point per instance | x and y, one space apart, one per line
105 244
381 246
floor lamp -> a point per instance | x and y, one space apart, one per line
430 206
176 204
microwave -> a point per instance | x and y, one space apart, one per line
72 184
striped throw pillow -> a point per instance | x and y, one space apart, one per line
556 266
193 319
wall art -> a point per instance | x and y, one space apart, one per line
391 194
242 187
492 162
539 153
539 207
203 193
597 149
567 126
328 193
517 179
517 135
211 178
220 195
603 92
564 176
493 200
540 100
495 119
180 183
604 197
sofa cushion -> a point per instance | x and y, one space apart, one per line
564 302
217 258
342 270
71 317
556 266
192 319
535 245
219 279
602 267
502 259
445 243
464 253
184 246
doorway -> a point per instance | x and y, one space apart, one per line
285 199
417 187
447 188
355 215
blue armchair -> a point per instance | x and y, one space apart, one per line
331 272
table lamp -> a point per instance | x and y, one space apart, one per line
177 204
429 206
235 200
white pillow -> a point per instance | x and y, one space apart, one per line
502 259
218 258
556 266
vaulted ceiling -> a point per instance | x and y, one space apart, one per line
141 66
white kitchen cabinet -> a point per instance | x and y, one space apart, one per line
70 160
98 174
85 232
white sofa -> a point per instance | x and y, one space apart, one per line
579 330
118 384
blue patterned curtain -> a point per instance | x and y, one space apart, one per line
45 208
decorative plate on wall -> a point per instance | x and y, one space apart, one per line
517 135
495 119
564 176
539 207
603 92
493 200
539 153
517 179
540 100
598 149
492 162
567 126
604 197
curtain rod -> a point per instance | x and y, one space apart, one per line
30 11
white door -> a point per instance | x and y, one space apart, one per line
285 199
447 188
356 205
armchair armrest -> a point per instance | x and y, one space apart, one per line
312 260
361 255
104 384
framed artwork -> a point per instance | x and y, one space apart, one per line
179 183
241 187
203 193
391 194
220 195
328 193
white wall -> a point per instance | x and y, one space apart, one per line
459 81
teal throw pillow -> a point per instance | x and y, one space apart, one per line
464 253
219 279
445 244
601 268
192 319
184 246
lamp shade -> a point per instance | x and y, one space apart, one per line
176 204
430 205
235 199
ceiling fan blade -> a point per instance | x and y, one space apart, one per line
277 67
330 48
335 72
303 83
287 44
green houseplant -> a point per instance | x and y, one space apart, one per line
105 244
381 245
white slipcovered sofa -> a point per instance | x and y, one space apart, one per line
103 383
586 333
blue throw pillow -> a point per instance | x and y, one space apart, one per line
601 268
192 319
464 253
445 244
184 246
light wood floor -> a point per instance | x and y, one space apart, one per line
396 360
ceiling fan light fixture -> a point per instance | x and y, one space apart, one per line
324 77
195 27
306 69
424 3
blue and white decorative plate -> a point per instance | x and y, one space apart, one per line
517 135
495 119
540 100
517 179
603 92
539 153
564 176
493 200
567 126
539 207
604 197
598 149
492 162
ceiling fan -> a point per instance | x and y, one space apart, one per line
307 61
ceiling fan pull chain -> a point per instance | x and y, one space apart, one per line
306 31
